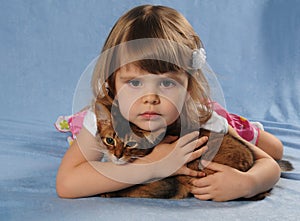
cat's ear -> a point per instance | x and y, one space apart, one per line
102 112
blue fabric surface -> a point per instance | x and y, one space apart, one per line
253 46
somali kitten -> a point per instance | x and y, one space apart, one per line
125 146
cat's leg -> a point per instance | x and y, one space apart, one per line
184 189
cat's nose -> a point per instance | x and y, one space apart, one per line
118 153
151 99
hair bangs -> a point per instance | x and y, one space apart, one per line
157 66
153 55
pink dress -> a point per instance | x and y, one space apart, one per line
247 130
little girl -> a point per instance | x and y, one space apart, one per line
151 69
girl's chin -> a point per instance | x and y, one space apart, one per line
152 127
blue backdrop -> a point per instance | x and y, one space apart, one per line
252 45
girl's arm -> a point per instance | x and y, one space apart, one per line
270 144
82 174
228 183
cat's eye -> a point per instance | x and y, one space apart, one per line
131 144
109 141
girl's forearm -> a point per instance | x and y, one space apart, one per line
262 176
84 180
95 177
77 177
82 174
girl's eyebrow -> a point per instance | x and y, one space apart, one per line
128 77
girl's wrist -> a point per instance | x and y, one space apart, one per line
159 153
248 185
159 166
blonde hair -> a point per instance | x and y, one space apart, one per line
156 39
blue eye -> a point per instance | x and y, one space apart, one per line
167 83
135 83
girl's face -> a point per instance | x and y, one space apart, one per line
150 101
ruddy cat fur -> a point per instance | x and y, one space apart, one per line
124 147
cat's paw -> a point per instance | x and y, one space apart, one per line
105 195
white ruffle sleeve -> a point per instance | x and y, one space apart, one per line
90 122
216 124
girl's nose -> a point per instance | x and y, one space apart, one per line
151 99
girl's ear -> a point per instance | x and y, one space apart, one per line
102 113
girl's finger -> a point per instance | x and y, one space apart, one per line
198 153
189 172
200 191
203 197
182 141
191 146
200 183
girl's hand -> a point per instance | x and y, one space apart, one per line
172 156
184 170
226 184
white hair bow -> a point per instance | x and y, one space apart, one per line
198 58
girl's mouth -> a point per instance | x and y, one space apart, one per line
149 115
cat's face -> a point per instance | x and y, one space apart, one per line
125 150
123 147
